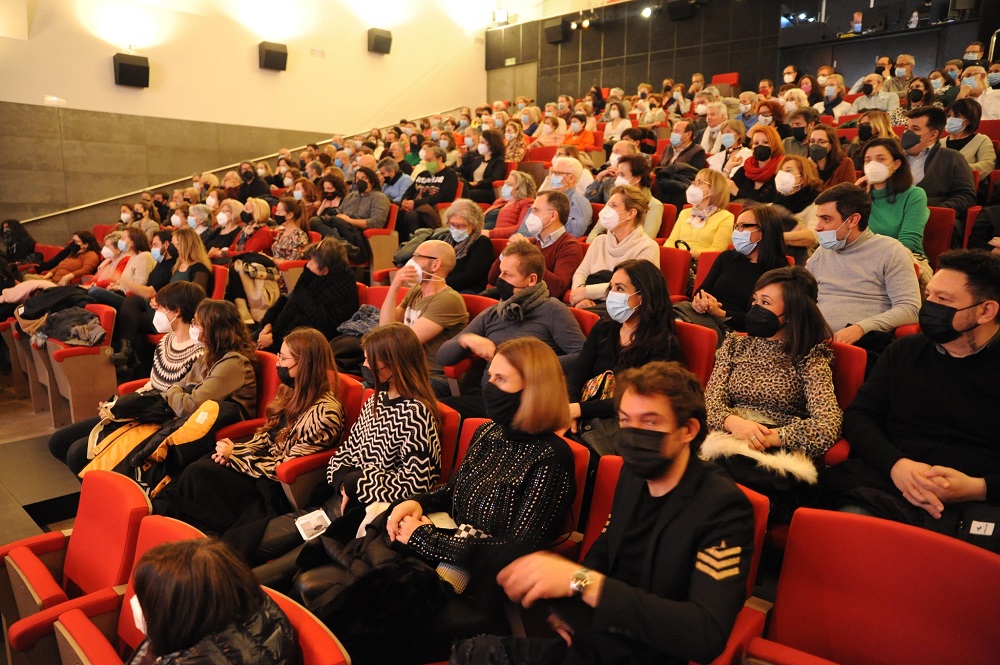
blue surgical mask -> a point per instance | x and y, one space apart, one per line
339 163
469 142
675 139
463 123
297 194
192 221
458 235
520 105
741 242
506 192
900 72
831 91
618 307
157 253
556 181
728 140
937 83
122 246
954 125
829 239
993 78
969 81
434 135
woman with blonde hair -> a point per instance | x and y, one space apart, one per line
871 125
707 226
516 197
193 264
510 494
238 483
730 159
515 149
755 181
625 238
530 117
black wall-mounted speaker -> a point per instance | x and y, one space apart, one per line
678 10
131 70
556 30
273 56
379 41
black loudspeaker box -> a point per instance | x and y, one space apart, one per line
379 41
678 10
556 30
273 56
131 70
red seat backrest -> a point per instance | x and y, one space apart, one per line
450 419
698 344
919 578
705 262
48 252
319 646
586 319
991 128
362 293
267 381
675 265
669 219
937 233
221 278
469 426
477 304
848 371
970 222
732 78
499 244
351 394
581 465
608 469
106 315
761 507
542 153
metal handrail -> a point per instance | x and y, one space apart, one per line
993 43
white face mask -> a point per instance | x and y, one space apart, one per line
876 173
175 219
765 119
694 195
745 108
126 218
161 322
423 155
137 617
547 129
211 201
574 127
261 172
107 252
614 114
416 266
197 186
790 106
609 218
822 79
701 109
482 148
784 182
533 224
288 182
282 169
622 180
222 218
613 159
510 137
789 78
195 333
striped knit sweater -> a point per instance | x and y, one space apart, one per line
393 452
171 362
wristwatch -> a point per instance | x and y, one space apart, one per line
580 581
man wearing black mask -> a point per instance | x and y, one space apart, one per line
252 185
927 450
873 97
665 580
883 66
943 173
802 121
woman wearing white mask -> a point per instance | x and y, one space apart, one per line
113 261
515 148
228 222
634 170
640 330
707 225
771 113
617 124
723 298
447 142
677 104
625 239
797 185
253 234
578 134
899 208
551 131
486 166
729 160
516 198
174 357
199 218
277 179
473 250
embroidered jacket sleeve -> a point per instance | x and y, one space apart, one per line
815 434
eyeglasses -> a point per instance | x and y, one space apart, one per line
702 183
818 142
422 256
746 227
282 358
562 173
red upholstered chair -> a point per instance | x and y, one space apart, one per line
101 230
300 475
937 233
669 219
291 271
475 305
267 388
18 379
970 221
848 375
698 344
469 426
41 572
220 282
844 574
675 264
586 319
376 295
103 617
499 244
542 153
79 377
705 262
319 646
383 242
450 420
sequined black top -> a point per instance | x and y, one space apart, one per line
514 487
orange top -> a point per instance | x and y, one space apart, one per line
584 141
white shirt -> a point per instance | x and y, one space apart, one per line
990 101
881 100
917 165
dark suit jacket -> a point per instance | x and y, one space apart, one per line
948 184
694 155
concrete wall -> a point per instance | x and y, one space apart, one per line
57 158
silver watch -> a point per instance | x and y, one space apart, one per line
580 581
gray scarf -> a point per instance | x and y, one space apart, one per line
518 305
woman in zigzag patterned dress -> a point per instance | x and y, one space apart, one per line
393 452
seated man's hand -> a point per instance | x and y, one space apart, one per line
407 275
478 345
953 486
849 334
577 295
586 303
407 205
911 479
541 576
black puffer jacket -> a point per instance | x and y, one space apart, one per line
266 638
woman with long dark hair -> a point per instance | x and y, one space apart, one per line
238 483
19 246
80 257
723 299
771 404
640 330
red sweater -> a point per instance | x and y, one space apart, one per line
509 219
562 258
259 242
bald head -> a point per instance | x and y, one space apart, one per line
442 252
367 161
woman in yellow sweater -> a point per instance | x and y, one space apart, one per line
707 226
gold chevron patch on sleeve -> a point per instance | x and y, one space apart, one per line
717 574
719 562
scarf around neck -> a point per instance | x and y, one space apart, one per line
520 304
759 173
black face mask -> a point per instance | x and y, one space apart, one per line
501 406
799 134
865 132
284 376
246 217
504 289
302 164
329 196
137 215
867 89
817 152
640 451
247 176
909 140
762 153
937 321
361 186
279 219
367 375
880 71
762 322
915 96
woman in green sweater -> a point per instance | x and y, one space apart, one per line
899 208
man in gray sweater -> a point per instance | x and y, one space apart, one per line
867 284
525 310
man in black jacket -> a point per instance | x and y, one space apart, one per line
437 184
941 172
252 185
665 580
